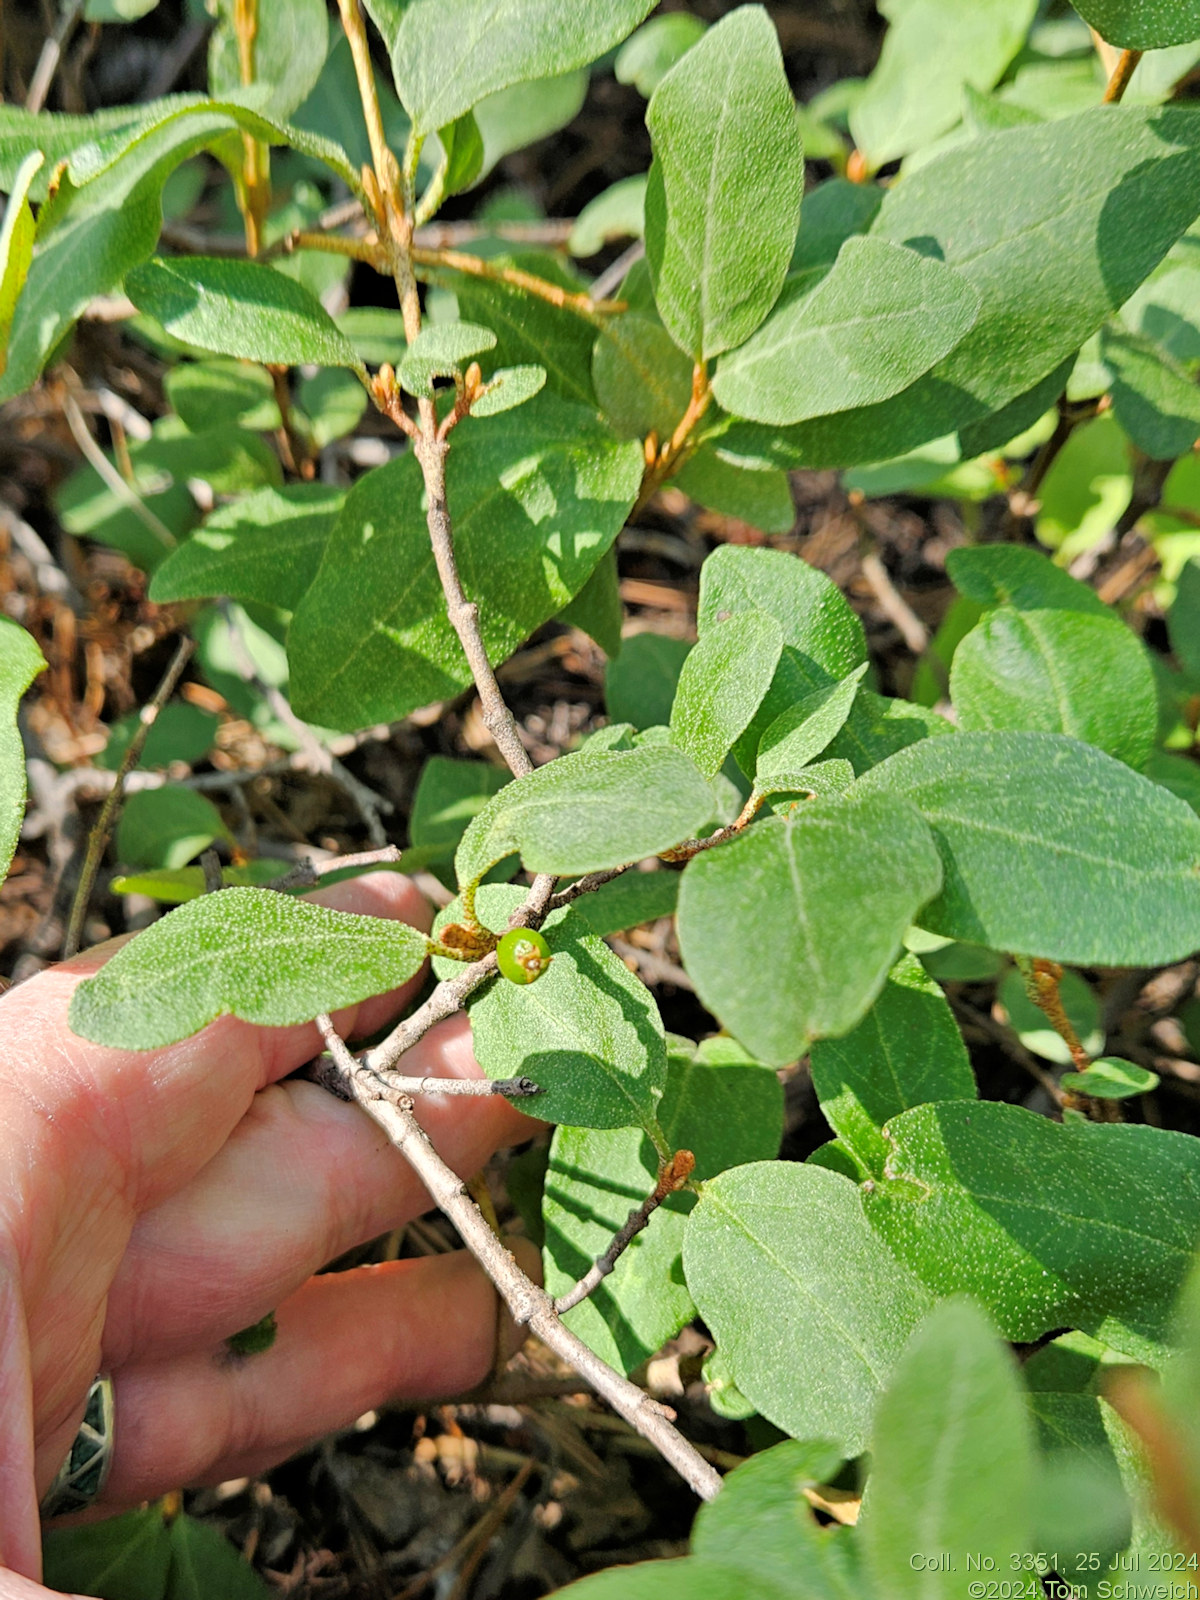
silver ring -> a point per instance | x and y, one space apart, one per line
84 1473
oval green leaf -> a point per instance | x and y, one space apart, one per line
239 308
808 1305
1108 863
262 956
789 930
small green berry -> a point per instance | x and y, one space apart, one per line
523 955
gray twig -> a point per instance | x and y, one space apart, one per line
52 52
112 479
99 834
530 1306
671 1177
464 613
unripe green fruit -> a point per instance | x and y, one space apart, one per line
523 955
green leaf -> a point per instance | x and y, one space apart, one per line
952 1460
520 116
175 885
823 638
586 812
117 10
122 1558
618 212
509 387
462 147
1116 187
265 547
1179 774
1154 398
290 44
932 51
722 685
1059 672
16 246
587 1032
724 191
822 778
642 380
789 929
262 956
20 663
1048 1224
808 1305
802 732
831 213
726 1111
1077 1427
761 1523
212 394
1183 619
239 308
1143 24
180 732
597 608
1032 1026
167 827
627 901
880 317
204 1563
1110 1078
760 497
449 795
88 238
531 332
689 1575
536 497
1087 489
376 332
1108 862
1010 574
649 54
905 1051
440 351
877 727
332 401
639 687
448 54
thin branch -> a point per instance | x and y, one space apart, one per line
1023 500
451 993
476 267
893 604
360 50
611 279
52 53
112 479
662 461
693 847
464 613
530 1306
1010 1044
474 1542
671 1178
1121 74
586 885
103 825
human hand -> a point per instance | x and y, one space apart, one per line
154 1203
